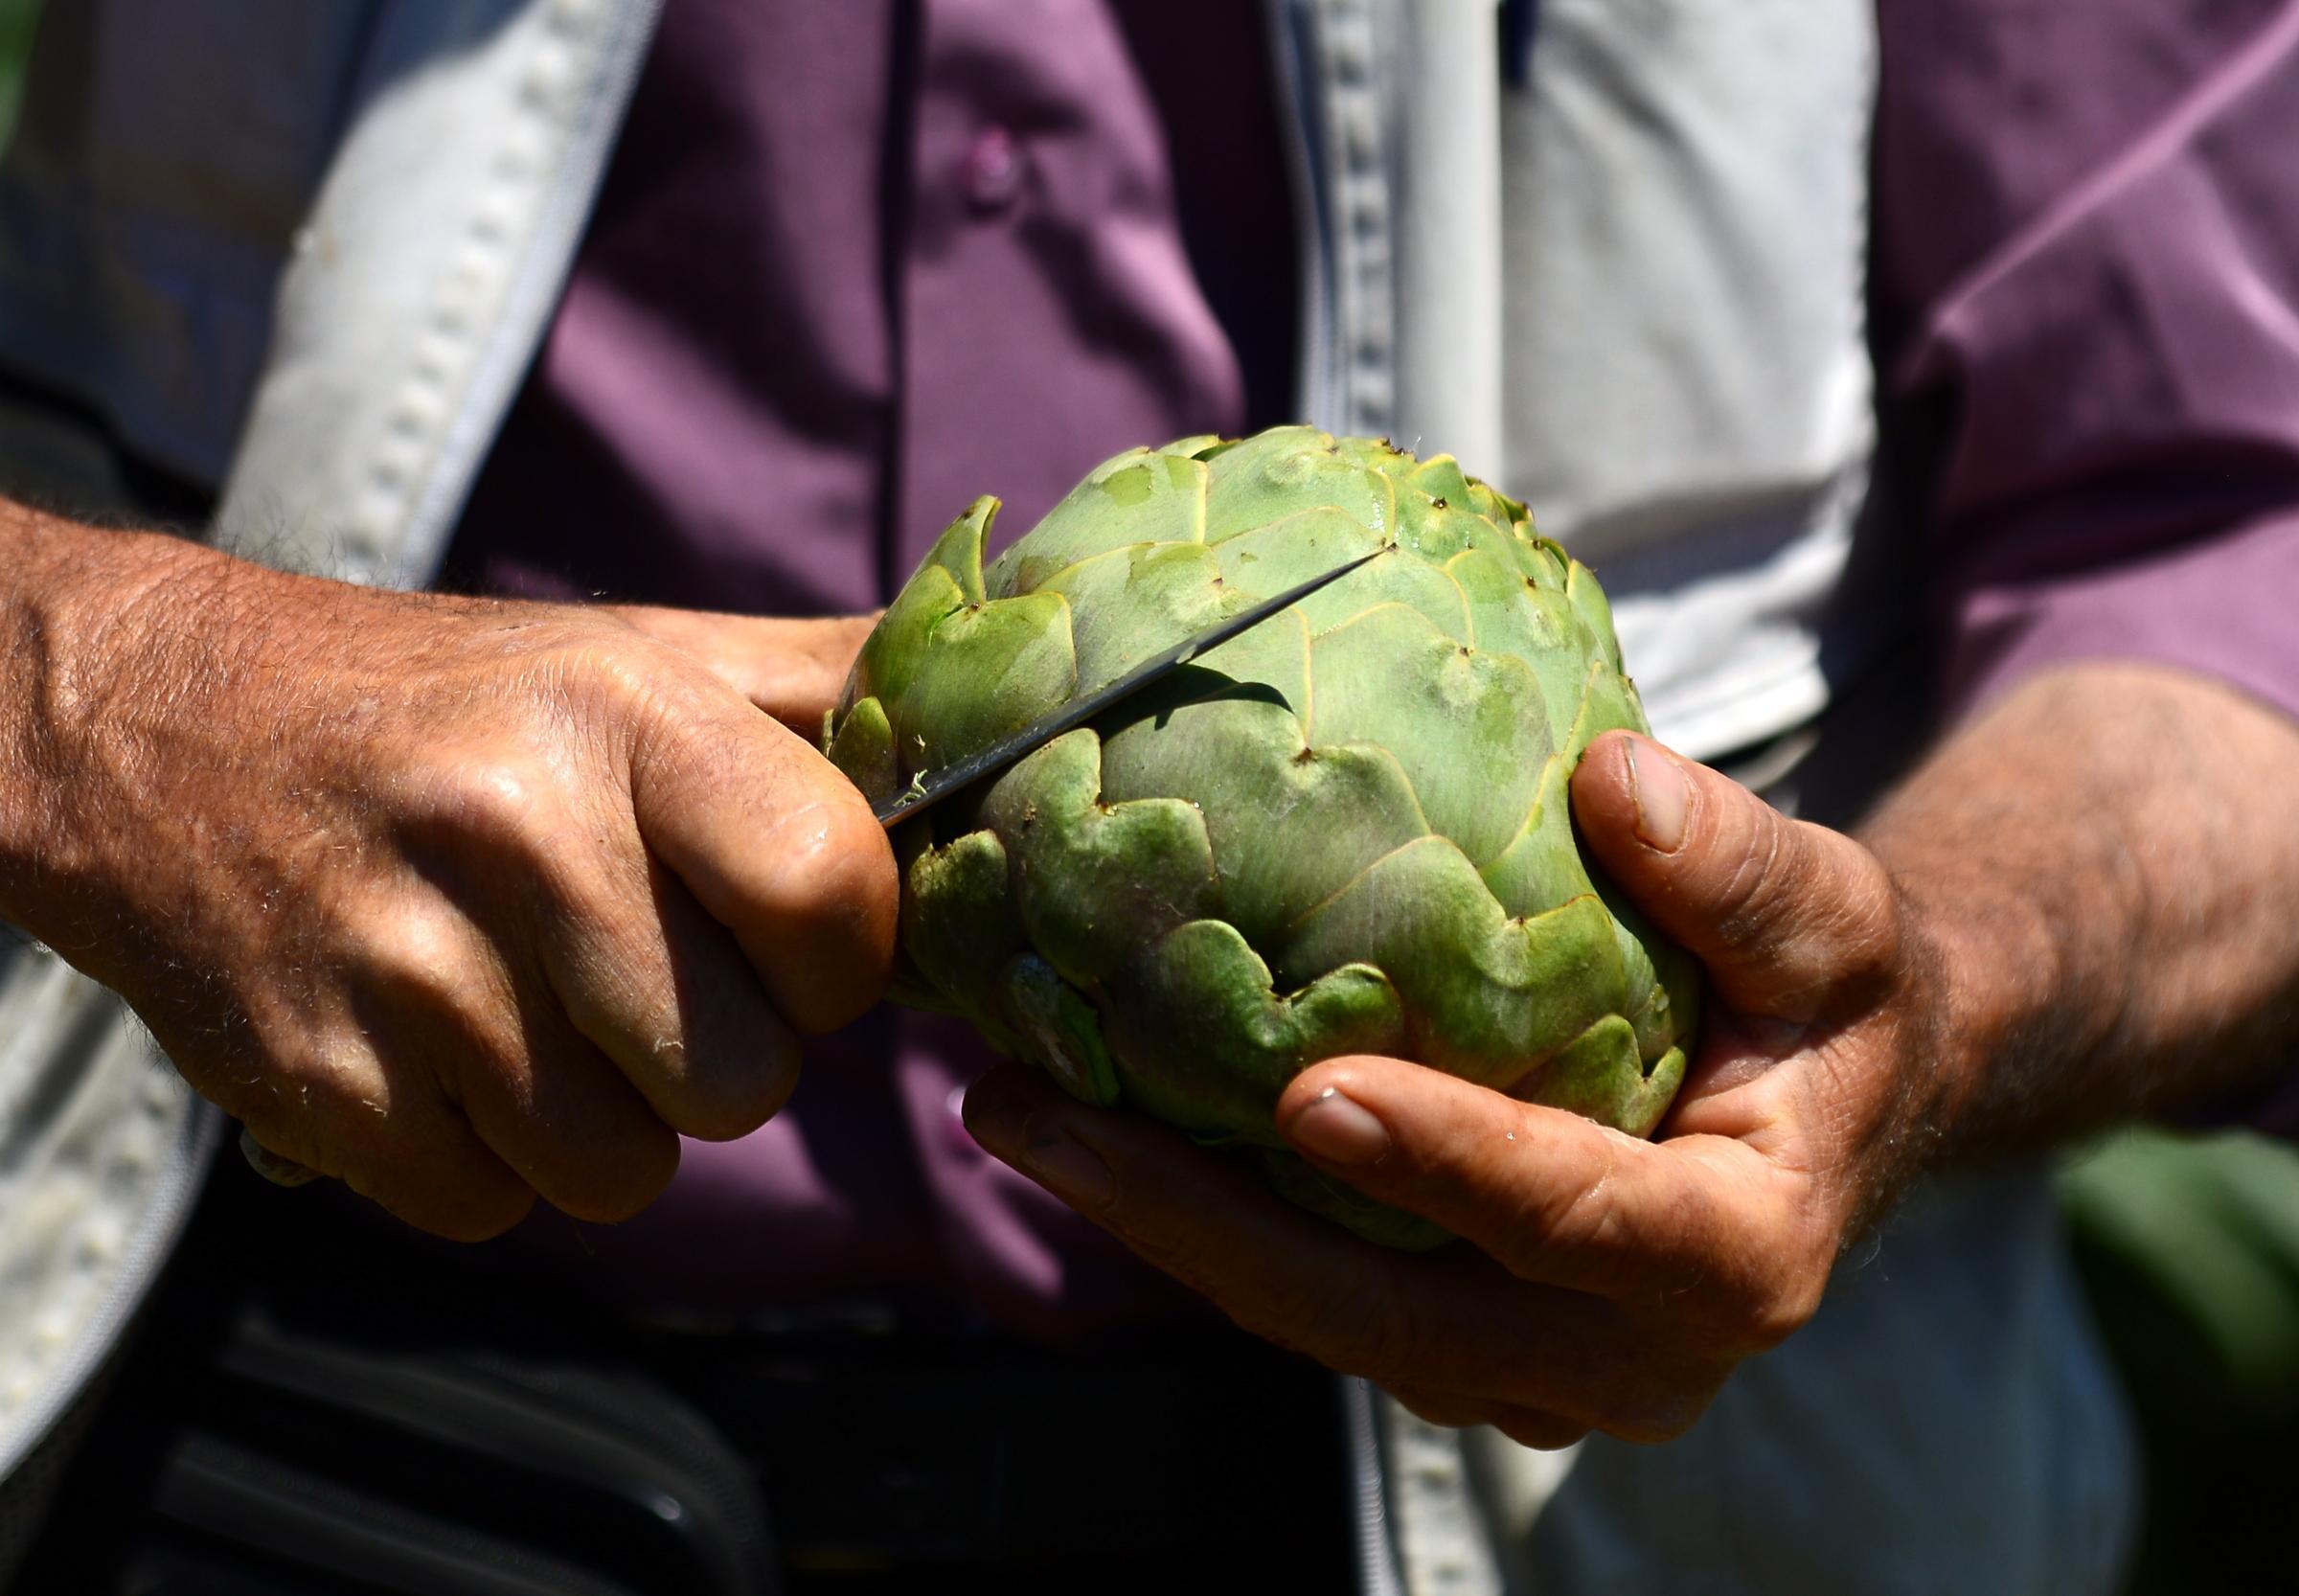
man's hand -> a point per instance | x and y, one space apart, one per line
794 670
1602 1282
2079 908
459 901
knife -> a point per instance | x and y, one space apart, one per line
925 793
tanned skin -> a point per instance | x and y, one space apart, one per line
463 901
2078 909
457 900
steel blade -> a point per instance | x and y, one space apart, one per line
932 789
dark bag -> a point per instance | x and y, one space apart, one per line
318 1405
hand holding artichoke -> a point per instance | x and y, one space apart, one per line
1343 832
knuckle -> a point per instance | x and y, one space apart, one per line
1869 930
1768 1319
1555 1220
1763 1303
1349 1324
555 1114
1818 906
505 806
835 859
412 952
591 661
611 973
607 660
689 1027
493 796
464 1194
834 896
1774 873
724 1102
1753 869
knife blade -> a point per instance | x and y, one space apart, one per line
928 790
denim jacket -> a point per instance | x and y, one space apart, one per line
1624 275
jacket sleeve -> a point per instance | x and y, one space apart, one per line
2087 298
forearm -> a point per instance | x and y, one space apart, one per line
2106 868
73 605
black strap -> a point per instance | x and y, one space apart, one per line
1520 21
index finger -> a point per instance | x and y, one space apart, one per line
1553 1197
779 848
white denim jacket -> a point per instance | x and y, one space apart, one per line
312 270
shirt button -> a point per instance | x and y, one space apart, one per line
992 170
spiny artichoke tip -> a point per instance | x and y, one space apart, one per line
1345 830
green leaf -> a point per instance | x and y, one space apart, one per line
1141 496
1287 826
1467 726
1058 1031
1094 881
1128 604
1487 996
1205 1043
863 751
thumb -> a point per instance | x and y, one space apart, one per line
792 669
1783 914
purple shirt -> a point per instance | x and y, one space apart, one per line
844 277
2087 280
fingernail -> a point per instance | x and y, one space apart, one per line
279 1170
1658 786
1068 1168
993 1115
1338 1129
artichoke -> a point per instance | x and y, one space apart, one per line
1344 831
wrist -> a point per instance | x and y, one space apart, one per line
2011 980
1956 1002
80 612
1900 1078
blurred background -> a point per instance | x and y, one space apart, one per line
2190 1248
16 18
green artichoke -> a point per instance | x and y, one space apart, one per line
1344 831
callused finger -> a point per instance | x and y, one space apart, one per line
662 990
1555 1197
390 1134
1210 1220
1205 1217
485 1030
1451 1321
779 848
562 1116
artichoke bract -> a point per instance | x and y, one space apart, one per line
1344 831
